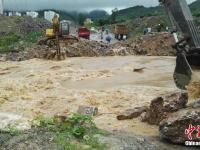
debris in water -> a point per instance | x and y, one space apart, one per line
132 113
140 70
88 110
194 90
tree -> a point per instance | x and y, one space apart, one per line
114 15
81 19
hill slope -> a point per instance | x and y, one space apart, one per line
195 8
141 11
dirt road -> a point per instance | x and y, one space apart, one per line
33 87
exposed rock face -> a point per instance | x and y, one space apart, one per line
175 101
160 107
132 113
155 113
174 127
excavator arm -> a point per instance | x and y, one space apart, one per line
187 45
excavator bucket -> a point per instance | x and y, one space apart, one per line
183 72
181 19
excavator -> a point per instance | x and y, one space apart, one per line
63 38
187 40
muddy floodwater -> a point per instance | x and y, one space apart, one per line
34 87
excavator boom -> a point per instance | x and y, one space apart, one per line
188 46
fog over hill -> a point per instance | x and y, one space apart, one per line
77 5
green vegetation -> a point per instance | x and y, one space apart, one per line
132 13
75 132
114 15
81 18
8 42
32 37
12 129
195 8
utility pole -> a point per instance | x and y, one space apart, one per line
1 6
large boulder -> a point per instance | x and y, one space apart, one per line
160 107
175 127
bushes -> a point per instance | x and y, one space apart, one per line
11 42
72 133
7 42
32 37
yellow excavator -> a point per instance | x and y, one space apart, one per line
57 36
187 45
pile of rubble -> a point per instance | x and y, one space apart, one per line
158 44
21 25
28 24
172 114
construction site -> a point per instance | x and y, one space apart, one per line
121 85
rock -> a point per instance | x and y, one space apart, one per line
139 69
175 101
143 117
132 113
155 113
195 104
87 110
140 140
2 57
174 128
60 117
160 107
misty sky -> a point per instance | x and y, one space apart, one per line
77 5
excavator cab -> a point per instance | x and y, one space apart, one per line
187 45
64 30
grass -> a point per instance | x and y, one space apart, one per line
32 37
11 129
7 42
74 133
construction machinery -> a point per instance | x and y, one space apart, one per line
120 31
187 40
84 33
57 40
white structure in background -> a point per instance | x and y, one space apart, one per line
18 14
13 13
88 21
1 7
48 15
10 14
33 14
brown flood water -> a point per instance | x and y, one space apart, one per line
36 86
